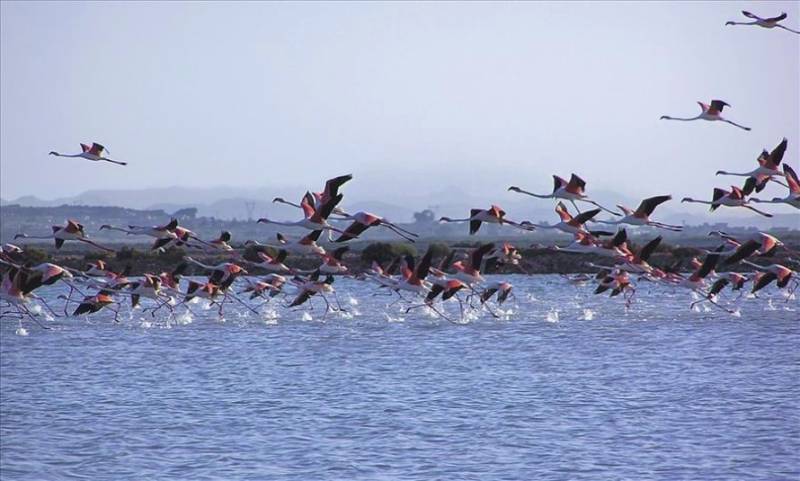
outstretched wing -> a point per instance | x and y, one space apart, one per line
742 252
649 205
585 216
776 19
649 248
718 105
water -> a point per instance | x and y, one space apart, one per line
565 386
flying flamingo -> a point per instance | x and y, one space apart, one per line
313 218
793 198
768 167
12 291
312 286
735 197
588 244
166 231
92 304
95 152
771 22
571 191
641 216
72 231
492 215
330 191
774 272
304 245
709 112
332 262
570 224
364 220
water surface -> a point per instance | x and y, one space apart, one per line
566 385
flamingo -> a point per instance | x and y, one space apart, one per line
570 224
222 274
364 220
304 245
332 263
492 215
72 231
99 301
413 277
469 271
735 197
793 198
641 216
330 191
166 231
589 244
618 281
774 272
95 152
501 288
272 283
771 22
12 291
313 286
313 218
222 242
571 191
734 279
150 288
709 112
768 167
271 264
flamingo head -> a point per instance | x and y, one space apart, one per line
262 220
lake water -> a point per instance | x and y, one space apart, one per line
566 385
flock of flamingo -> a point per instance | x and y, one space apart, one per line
419 283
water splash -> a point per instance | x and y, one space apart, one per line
184 319
390 318
307 317
35 309
552 316
737 313
352 300
588 314
21 331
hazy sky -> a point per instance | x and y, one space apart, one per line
407 96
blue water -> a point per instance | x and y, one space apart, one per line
566 385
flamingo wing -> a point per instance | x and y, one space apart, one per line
585 216
791 179
780 17
562 212
648 205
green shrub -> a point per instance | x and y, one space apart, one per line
384 251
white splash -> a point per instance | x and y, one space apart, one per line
737 313
35 309
184 319
588 314
21 331
145 324
770 307
353 301
552 316
393 319
307 317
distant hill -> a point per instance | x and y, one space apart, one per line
228 203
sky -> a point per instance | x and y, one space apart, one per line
409 97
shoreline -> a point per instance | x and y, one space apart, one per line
535 260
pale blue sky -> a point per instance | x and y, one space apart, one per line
407 96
